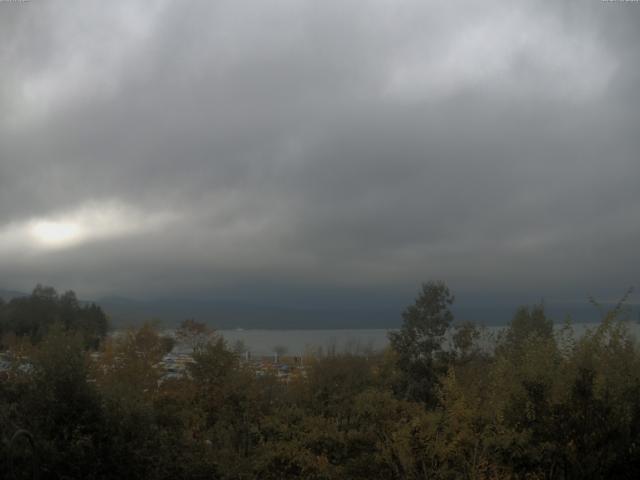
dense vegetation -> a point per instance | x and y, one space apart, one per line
33 316
445 401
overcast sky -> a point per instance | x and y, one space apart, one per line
324 149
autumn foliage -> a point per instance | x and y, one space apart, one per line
447 400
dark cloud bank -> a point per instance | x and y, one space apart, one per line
320 157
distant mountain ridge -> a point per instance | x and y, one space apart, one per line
226 314
7 295
232 314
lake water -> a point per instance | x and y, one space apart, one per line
299 342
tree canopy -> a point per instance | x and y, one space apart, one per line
32 316
445 401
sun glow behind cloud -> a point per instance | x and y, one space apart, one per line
92 222
56 234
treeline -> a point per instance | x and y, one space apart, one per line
445 401
33 316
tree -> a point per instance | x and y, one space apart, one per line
194 334
32 316
61 408
465 338
127 377
527 323
419 340
94 324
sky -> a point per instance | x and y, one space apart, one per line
330 152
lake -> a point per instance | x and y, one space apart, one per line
299 342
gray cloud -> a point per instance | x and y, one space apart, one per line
320 146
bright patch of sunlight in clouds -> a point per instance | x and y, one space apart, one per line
91 222
56 234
